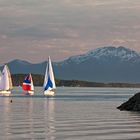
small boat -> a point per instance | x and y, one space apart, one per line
49 82
5 82
27 85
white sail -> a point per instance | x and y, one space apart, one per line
31 92
32 85
10 79
2 82
49 82
5 81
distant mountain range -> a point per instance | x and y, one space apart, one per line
107 64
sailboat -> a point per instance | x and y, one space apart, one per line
5 82
27 85
49 82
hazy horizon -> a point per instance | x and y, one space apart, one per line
32 30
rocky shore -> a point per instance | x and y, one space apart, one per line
133 104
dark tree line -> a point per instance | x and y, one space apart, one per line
39 79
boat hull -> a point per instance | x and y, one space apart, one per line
5 92
30 93
48 93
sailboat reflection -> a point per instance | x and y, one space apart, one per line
18 118
49 116
32 118
6 117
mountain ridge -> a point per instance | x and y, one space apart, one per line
106 64
121 52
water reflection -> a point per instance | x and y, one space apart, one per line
70 115
30 120
49 116
6 125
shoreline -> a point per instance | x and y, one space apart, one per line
38 81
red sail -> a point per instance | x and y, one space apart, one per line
27 83
26 86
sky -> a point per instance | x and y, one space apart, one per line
32 30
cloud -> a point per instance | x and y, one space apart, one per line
65 28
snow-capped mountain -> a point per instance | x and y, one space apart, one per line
107 64
122 53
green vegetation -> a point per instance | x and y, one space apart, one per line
38 81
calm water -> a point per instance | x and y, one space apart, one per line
73 114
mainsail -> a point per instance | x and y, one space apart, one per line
28 83
5 81
49 82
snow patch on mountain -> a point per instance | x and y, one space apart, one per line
122 53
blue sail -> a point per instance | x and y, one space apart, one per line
27 79
49 84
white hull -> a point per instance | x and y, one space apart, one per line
5 92
30 93
48 93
